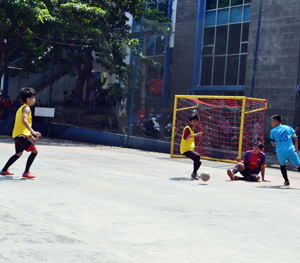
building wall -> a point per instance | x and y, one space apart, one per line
278 60
277 72
183 52
65 83
17 82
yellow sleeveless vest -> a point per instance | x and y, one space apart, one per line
19 128
189 144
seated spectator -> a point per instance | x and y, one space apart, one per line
67 98
66 94
2 114
17 103
8 103
160 114
152 113
74 96
2 100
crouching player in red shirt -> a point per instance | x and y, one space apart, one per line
254 163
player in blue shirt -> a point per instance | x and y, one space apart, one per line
285 140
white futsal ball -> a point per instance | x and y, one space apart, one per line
205 176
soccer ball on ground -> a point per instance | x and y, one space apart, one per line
205 176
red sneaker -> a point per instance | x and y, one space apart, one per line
28 175
8 172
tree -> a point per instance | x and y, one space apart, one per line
83 31
98 26
18 19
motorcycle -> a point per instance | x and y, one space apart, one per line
152 128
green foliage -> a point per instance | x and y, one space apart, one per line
18 19
82 32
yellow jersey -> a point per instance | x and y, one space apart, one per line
188 144
19 128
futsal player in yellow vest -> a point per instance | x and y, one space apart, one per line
23 134
187 144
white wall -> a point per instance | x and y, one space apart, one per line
17 82
66 82
58 87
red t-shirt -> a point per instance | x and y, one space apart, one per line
186 133
254 161
8 104
141 115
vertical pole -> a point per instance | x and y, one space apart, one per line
242 127
173 126
5 83
256 48
20 72
52 66
198 44
134 80
167 61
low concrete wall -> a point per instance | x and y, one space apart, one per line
67 132
107 138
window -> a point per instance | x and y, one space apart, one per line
247 12
243 62
219 69
209 36
155 46
236 2
236 14
161 5
232 70
150 46
234 39
223 16
223 3
210 19
221 40
211 4
206 71
225 42
245 32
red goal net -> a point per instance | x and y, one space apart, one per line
230 125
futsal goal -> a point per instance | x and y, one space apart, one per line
230 125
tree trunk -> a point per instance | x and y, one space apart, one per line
83 70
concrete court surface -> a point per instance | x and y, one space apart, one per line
111 205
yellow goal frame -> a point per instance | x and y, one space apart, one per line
243 98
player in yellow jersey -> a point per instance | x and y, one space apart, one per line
187 144
23 134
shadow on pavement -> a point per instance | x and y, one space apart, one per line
279 187
180 179
9 178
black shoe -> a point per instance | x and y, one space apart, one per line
287 183
195 176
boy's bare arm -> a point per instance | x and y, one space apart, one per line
194 135
26 111
263 169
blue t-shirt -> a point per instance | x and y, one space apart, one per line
283 136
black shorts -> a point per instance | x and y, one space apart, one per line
24 143
248 175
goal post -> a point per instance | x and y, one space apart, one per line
230 124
